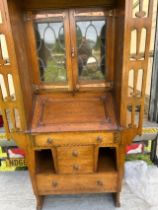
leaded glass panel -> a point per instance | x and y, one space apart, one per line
91 49
50 42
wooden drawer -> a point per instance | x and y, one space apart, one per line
76 159
77 138
71 184
75 152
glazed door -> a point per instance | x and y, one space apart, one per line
52 43
71 49
88 44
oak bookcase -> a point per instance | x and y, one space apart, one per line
65 96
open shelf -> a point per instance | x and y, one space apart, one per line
44 161
107 160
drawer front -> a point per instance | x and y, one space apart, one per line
65 139
75 152
77 159
60 184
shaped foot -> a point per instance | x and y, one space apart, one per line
117 199
39 200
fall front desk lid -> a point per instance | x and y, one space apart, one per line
73 114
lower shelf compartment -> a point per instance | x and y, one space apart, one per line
106 160
73 184
44 161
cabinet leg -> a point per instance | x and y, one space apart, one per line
117 199
39 202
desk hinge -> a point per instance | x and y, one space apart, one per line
111 13
110 84
27 17
36 88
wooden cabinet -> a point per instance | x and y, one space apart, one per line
66 96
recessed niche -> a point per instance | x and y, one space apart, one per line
44 161
106 159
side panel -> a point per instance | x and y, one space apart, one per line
11 101
137 33
22 54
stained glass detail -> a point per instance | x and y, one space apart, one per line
91 49
50 42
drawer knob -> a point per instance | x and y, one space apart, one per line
99 183
54 183
49 141
99 139
76 167
75 153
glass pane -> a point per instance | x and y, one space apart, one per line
50 42
91 49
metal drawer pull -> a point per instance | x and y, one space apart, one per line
49 141
99 139
99 183
75 153
76 167
54 183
